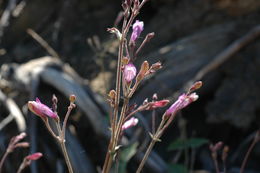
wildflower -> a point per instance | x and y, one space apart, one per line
130 123
138 27
34 156
41 110
129 72
183 101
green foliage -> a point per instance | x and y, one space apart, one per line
177 168
181 144
125 155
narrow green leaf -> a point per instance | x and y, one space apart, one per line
125 155
178 144
196 142
177 168
181 144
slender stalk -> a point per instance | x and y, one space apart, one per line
66 156
61 140
117 135
153 122
216 165
148 151
256 139
155 138
21 167
50 130
66 119
108 161
3 160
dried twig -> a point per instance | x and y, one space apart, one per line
14 110
43 43
226 54
4 21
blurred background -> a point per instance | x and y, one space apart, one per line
62 47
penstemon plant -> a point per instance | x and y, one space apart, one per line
128 79
127 82
46 113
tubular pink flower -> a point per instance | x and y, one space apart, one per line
138 27
130 123
41 109
129 72
34 156
183 101
157 104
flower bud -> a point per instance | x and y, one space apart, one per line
116 32
195 86
155 67
155 97
149 36
112 94
22 145
41 110
157 104
183 101
72 98
34 156
130 123
143 71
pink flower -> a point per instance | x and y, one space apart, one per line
157 104
130 123
138 27
129 72
183 101
34 156
41 109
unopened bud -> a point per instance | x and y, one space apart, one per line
149 36
54 99
156 66
195 86
72 98
22 145
129 2
125 60
155 97
143 70
145 101
116 32
157 104
216 147
112 94
34 156
124 5
225 152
